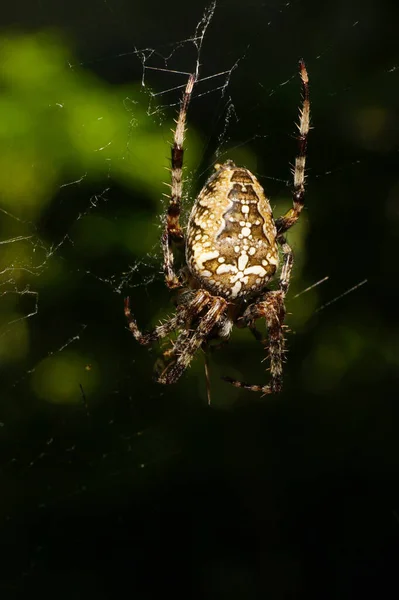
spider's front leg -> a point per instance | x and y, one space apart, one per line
188 342
173 233
156 334
271 307
182 318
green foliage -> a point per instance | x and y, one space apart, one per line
62 127
58 122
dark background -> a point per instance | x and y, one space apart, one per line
138 490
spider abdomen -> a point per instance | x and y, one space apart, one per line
231 235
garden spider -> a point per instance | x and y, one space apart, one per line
231 247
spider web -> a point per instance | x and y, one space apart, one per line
79 411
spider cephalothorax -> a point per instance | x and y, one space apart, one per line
232 251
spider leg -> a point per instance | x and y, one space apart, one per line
288 262
273 310
183 314
173 232
187 345
291 217
271 306
151 336
190 312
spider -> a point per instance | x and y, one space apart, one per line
231 248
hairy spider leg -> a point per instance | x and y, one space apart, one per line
191 312
185 348
173 232
298 195
270 306
184 314
273 310
288 263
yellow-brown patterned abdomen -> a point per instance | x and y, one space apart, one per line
231 236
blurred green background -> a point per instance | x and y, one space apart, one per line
83 150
